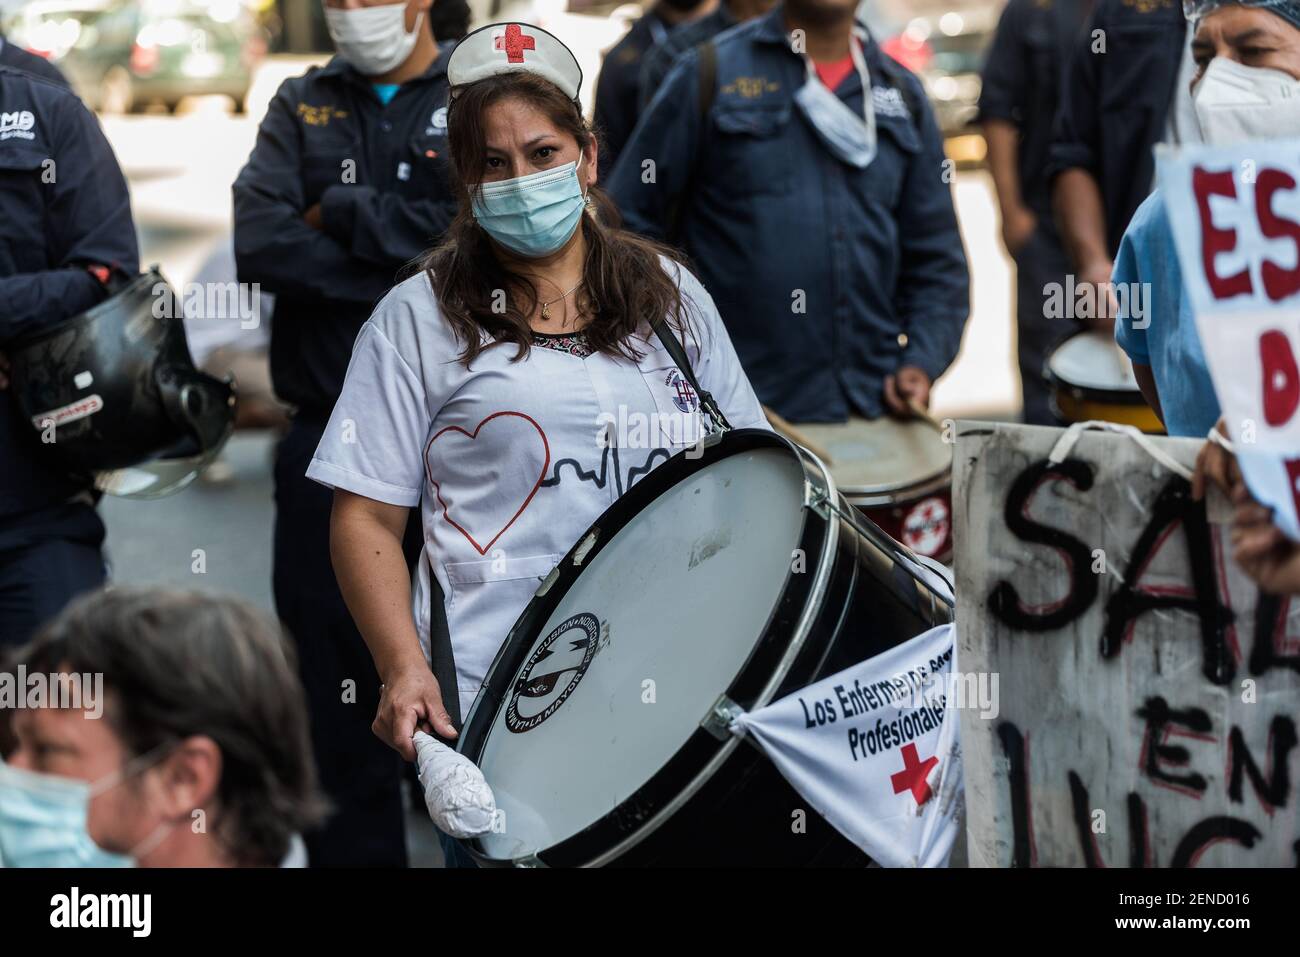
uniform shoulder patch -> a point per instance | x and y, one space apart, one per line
889 101
17 124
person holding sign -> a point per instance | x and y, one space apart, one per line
1264 553
1247 74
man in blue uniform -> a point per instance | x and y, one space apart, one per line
67 226
1018 101
687 36
345 186
817 210
617 89
1115 107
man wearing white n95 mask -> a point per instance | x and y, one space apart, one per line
347 184
374 38
1247 87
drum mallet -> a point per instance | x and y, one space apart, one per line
794 435
922 413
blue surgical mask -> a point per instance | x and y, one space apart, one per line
850 137
43 821
532 215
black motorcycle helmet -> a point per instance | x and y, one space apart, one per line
114 396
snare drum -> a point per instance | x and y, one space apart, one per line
899 473
1092 378
717 583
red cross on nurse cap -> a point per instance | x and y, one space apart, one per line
507 47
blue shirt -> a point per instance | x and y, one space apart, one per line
1169 343
386 91
829 278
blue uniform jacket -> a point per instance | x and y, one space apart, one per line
829 278
659 59
64 205
379 174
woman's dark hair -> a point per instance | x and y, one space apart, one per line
624 286
179 663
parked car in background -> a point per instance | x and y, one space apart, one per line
122 56
948 50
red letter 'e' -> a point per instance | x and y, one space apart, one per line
1213 239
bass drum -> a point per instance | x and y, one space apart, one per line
717 583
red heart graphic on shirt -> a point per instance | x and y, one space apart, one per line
456 433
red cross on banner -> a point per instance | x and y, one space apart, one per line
514 42
912 777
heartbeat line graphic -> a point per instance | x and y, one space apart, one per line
601 479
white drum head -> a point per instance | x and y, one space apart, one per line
637 652
880 455
1092 360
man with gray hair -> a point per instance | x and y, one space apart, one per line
201 759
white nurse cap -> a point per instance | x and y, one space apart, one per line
509 47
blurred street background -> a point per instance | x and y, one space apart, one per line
182 116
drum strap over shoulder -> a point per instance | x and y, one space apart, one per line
442 660
674 347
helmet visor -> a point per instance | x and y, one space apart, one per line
159 477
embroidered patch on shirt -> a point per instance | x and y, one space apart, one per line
320 115
750 87
17 124
889 101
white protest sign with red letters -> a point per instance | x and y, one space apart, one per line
1235 214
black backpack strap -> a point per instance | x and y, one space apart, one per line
708 77
678 354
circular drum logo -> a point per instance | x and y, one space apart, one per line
552 672
925 529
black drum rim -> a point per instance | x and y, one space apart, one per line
667 788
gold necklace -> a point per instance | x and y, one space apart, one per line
546 306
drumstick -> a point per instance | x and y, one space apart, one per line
922 413
794 435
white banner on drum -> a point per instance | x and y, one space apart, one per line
876 750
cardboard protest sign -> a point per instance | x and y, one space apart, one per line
1148 693
1235 214
874 749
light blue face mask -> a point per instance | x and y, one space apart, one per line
532 215
850 137
43 821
